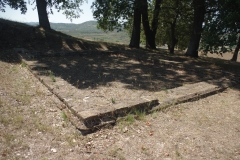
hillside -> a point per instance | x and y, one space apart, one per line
20 35
88 30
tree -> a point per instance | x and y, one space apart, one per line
70 9
175 24
235 54
222 28
15 4
150 31
199 13
42 14
114 14
136 28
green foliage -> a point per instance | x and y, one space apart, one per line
222 27
140 114
113 100
71 9
64 116
14 4
112 14
23 64
129 118
176 15
51 75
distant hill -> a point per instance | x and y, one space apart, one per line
88 30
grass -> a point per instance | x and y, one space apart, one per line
42 127
115 152
25 99
51 75
126 121
140 114
130 118
64 116
23 64
113 100
165 89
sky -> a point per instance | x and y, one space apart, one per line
57 17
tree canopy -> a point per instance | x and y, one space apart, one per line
221 27
15 4
71 9
175 18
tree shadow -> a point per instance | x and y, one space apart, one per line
136 70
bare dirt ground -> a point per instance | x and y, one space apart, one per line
226 56
33 127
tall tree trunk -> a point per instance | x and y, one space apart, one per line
174 40
135 38
199 13
155 19
42 14
150 33
150 40
235 54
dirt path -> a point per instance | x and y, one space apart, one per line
33 127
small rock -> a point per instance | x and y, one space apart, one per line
125 130
53 150
52 110
89 143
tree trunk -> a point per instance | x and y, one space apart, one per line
42 14
150 40
135 38
174 40
155 19
235 54
199 12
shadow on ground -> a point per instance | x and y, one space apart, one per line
136 69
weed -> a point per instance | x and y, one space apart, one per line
51 75
115 153
23 64
178 153
4 120
14 68
77 84
25 99
1 103
145 150
38 91
165 89
64 116
113 100
129 118
8 137
154 114
140 115
41 127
